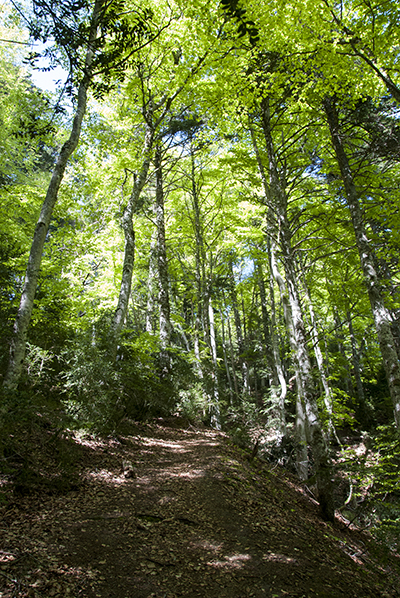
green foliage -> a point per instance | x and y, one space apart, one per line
343 413
199 84
33 452
70 24
192 402
373 470
242 421
99 393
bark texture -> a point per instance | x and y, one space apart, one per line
214 406
162 265
129 253
277 379
381 314
308 404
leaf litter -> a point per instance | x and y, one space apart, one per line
165 511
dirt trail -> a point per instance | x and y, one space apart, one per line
167 512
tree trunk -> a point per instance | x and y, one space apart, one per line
277 371
129 254
214 407
231 351
22 321
308 392
228 375
239 333
301 431
341 350
151 284
274 196
277 379
356 361
326 391
162 266
380 313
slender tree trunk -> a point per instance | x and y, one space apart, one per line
309 400
151 283
341 349
129 255
239 333
22 321
214 407
200 260
228 375
276 360
277 379
318 356
231 352
301 431
356 361
380 313
274 196
162 265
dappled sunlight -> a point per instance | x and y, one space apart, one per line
84 440
7 557
187 473
234 561
183 446
230 561
207 545
107 476
170 474
279 558
163 443
172 516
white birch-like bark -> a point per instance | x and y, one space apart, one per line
129 253
314 429
231 351
200 258
22 321
328 399
239 333
301 430
277 379
162 265
381 314
150 284
224 350
214 407
277 371
356 361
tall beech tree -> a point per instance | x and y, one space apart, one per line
381 314
107 40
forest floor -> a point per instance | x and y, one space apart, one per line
165 511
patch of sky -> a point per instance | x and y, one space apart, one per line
315 169
244 269
48 80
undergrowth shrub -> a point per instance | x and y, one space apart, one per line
243 421
100 393
192 402
373 474
33 449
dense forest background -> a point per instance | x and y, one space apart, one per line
203 219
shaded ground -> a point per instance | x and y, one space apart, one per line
167 512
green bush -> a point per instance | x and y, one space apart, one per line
99 393
374 476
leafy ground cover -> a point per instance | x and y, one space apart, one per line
167 510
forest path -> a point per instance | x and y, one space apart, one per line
187 515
